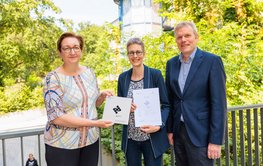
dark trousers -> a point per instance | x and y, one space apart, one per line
186 154
86 156
135 150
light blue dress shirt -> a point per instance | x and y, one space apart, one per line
184 70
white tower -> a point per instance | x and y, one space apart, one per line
139 18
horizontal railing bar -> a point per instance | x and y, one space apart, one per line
235 108
22 133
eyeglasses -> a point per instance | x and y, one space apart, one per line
132 53
68 49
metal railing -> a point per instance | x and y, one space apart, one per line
243 139
21 134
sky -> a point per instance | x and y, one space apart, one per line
93 11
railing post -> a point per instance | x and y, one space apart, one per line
113 146
218 161
100 150
4 155
249 141
256 136
39 149
242 140
227 144
261 120
172 155
22 150
234 140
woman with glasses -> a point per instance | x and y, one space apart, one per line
149 141
71 96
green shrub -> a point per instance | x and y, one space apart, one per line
20 97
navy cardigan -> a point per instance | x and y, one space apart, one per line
152 79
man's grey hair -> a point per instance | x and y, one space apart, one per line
186 24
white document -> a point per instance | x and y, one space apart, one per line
148 111
117 109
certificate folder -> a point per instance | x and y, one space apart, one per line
117 109
148 111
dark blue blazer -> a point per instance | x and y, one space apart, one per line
203 101
152 79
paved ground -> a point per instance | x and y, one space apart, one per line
22 120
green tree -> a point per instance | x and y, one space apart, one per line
28 51
102 53
27 39
233 30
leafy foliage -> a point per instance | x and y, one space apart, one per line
233 30
20 97
103 53
27 39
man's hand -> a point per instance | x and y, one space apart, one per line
213 151
171 138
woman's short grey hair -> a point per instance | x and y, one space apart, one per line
186 24
135 41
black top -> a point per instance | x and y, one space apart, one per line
31 162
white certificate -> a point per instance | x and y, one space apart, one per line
148 111
117 109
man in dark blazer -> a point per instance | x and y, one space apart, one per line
196 88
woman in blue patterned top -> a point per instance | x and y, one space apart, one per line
71 96
149 141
